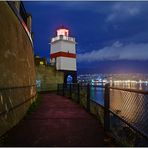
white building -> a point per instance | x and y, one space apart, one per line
63 54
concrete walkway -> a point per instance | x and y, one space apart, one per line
58 121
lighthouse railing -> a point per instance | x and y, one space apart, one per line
61 37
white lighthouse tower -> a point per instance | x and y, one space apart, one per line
63 54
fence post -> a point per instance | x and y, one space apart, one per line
78 87
88 97
63 89
70 90
106 107
57 89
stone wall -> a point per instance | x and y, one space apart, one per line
48 77
17 72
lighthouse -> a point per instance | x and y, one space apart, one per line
63 54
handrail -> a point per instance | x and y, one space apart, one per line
18 105
65 38
123 89
130 90
5 88
23 12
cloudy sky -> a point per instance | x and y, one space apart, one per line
112 37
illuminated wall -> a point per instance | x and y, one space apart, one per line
47 78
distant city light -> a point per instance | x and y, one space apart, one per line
129 81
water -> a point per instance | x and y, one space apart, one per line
97 94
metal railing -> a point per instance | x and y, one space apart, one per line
14 103
63 38
122 112
19 9
14 97
23 12
21 15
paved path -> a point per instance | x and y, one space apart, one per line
58 122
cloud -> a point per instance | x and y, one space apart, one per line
123 10
117 51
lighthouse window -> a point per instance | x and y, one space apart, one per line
69 79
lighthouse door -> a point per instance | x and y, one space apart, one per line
69 79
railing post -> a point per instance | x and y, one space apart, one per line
70 90
113 84
58 89
106 107
78 87
63 89
88 97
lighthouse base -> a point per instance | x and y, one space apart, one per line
70 74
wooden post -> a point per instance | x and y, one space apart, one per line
88 97
106 107
78 87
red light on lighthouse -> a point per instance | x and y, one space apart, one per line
63 32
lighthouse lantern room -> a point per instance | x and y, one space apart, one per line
63 54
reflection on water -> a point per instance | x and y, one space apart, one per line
131 106
131 85
96 94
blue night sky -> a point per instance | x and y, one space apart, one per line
112 37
